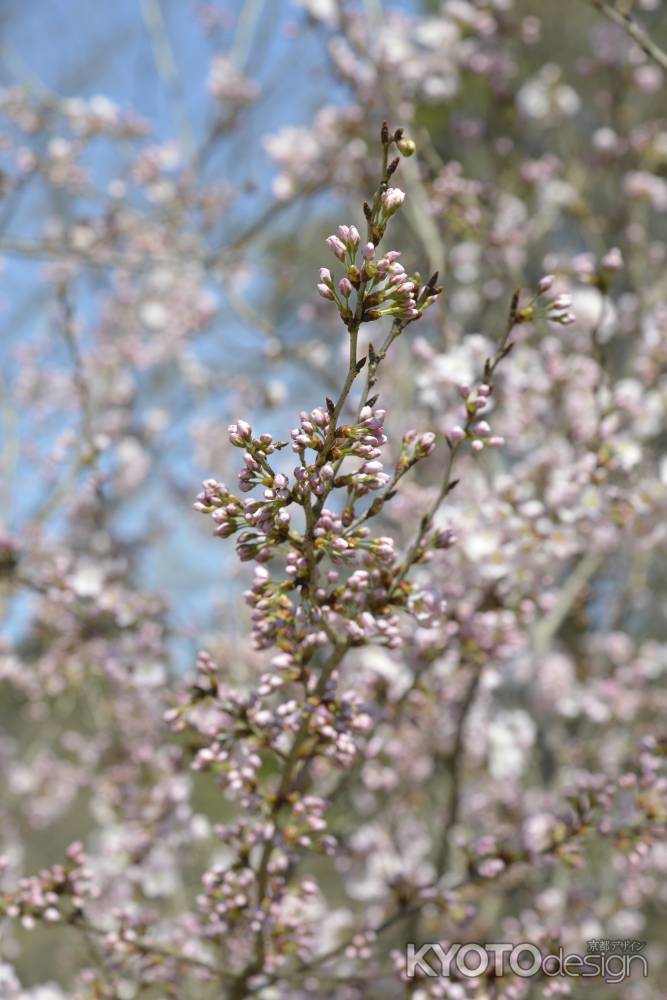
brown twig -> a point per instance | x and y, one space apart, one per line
633 29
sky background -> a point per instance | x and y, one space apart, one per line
69 48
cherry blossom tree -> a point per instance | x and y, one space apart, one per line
432 709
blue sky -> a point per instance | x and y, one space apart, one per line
85 48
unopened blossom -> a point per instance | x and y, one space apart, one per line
612 260
392 199
336 246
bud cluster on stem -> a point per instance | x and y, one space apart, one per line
332 584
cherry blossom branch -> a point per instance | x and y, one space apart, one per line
454 762
638 34
238 988
377 287
474 403
146 947
167 68
566 840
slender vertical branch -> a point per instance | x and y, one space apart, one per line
168 70
239 986
636 32
448 482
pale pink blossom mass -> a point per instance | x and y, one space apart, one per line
413 689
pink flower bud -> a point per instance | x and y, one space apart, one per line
336 246
325 275
392 199
345 287
482 428
239 432
325 291
545 283
426 443
369 251
561 302
613 260
444 538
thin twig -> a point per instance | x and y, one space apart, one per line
633 29
455 759
238 989
154 948
246 25
168 71
546 629
415 550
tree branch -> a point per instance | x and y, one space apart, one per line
633 29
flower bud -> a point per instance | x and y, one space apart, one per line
239 433
336 246
392 199
613 260
406 147
426 444
482 428
561 302
444 538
